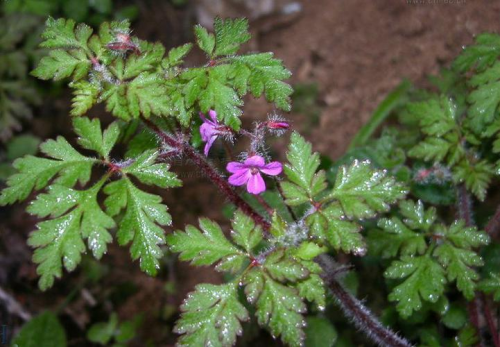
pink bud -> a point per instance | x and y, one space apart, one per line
272 124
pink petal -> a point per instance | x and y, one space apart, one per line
272 169
234 167
213 115
206 131
240 178
255 160
256 184
209 144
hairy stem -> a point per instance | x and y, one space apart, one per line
210 172
490 321
493 225
359 314
464 206
464 209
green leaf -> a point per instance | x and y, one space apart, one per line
400 236
329 224
491 285
304 182
127 330
458 263
116 101
455 317
91 136
244 231
203 248
212 316
60 64
103 332
36 173
61 33
436 116
312 288
85 96
141 142
218 96
146 96
43 330
146 171
431 149
424 280
464 237
176 55
76 216
282 268
141 223
230 34
438 120
485 99
204 39
278 307
363 191
456 256
262 74
22 145
479 56
467 337
148 61
16 99
396 238
476 176
416 216
320 332
309 250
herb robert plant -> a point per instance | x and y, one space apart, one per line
300 214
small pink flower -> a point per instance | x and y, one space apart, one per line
211 129
249 171
208 130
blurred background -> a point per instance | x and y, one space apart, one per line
345 55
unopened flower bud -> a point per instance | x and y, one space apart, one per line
123 43
278 125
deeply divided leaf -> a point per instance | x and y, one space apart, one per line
212 316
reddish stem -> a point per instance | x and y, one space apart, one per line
464 204
352 307
493 225
359 314
210 172
490 321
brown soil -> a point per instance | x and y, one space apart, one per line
358 50
355 50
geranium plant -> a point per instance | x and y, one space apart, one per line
389 200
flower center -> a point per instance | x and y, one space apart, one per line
254 171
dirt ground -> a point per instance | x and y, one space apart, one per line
358 50
355 50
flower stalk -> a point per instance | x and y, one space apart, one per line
210 172
360 315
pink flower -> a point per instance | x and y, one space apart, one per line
208 130
249 171
211 129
